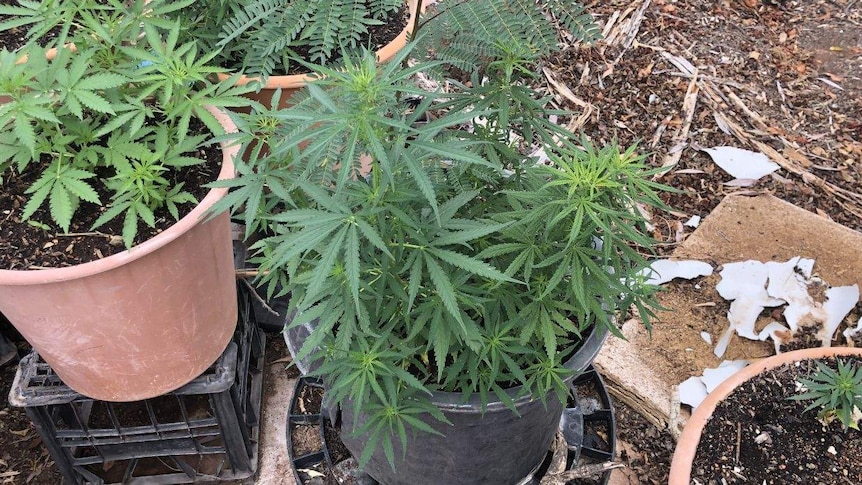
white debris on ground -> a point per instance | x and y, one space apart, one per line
745 165
744 284
695 389
664 270
693 222
752 286
853 331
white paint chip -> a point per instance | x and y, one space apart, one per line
693 222
706 337
841 300
743 283
713 377
752 286
692 392
664 270
742 164
787 284
853 331
777 332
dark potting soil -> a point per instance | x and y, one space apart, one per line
795 447
27 246
14 39
377 37
310 400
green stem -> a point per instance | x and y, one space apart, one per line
406 245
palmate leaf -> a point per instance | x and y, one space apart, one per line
130 225
478 230
443 287
472 265
324 266
23 129
62 186
352 264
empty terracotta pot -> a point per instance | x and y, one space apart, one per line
142 322
292 83
686 447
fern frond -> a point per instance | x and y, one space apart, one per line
498 27
575 19
248 17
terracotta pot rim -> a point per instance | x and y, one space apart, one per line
296 81
186 223
686 447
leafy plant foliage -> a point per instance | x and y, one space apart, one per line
257 35
837 392
466 33
112 113
431 252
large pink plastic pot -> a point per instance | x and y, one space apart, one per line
686 447
293 83
142 322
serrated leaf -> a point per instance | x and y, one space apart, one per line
115 123
80 189
472 265
61 206
461 237
24 132
371 234
443 286
146 215
351 264
130 226
37 198
102 80
93 101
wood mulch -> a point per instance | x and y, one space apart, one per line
781 77
675 75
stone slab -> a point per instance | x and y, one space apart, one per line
274 466
643 370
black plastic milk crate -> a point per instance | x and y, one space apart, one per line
207 430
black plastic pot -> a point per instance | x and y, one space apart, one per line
494 447
588 425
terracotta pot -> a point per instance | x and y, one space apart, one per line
142 322
686 447
293 83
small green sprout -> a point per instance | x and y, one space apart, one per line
836 393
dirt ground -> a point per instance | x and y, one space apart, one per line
781 77
23 459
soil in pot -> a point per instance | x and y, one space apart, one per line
14 39
757 435
305 439
34 245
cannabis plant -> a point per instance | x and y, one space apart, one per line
258 36
837 392
103 126
431 249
